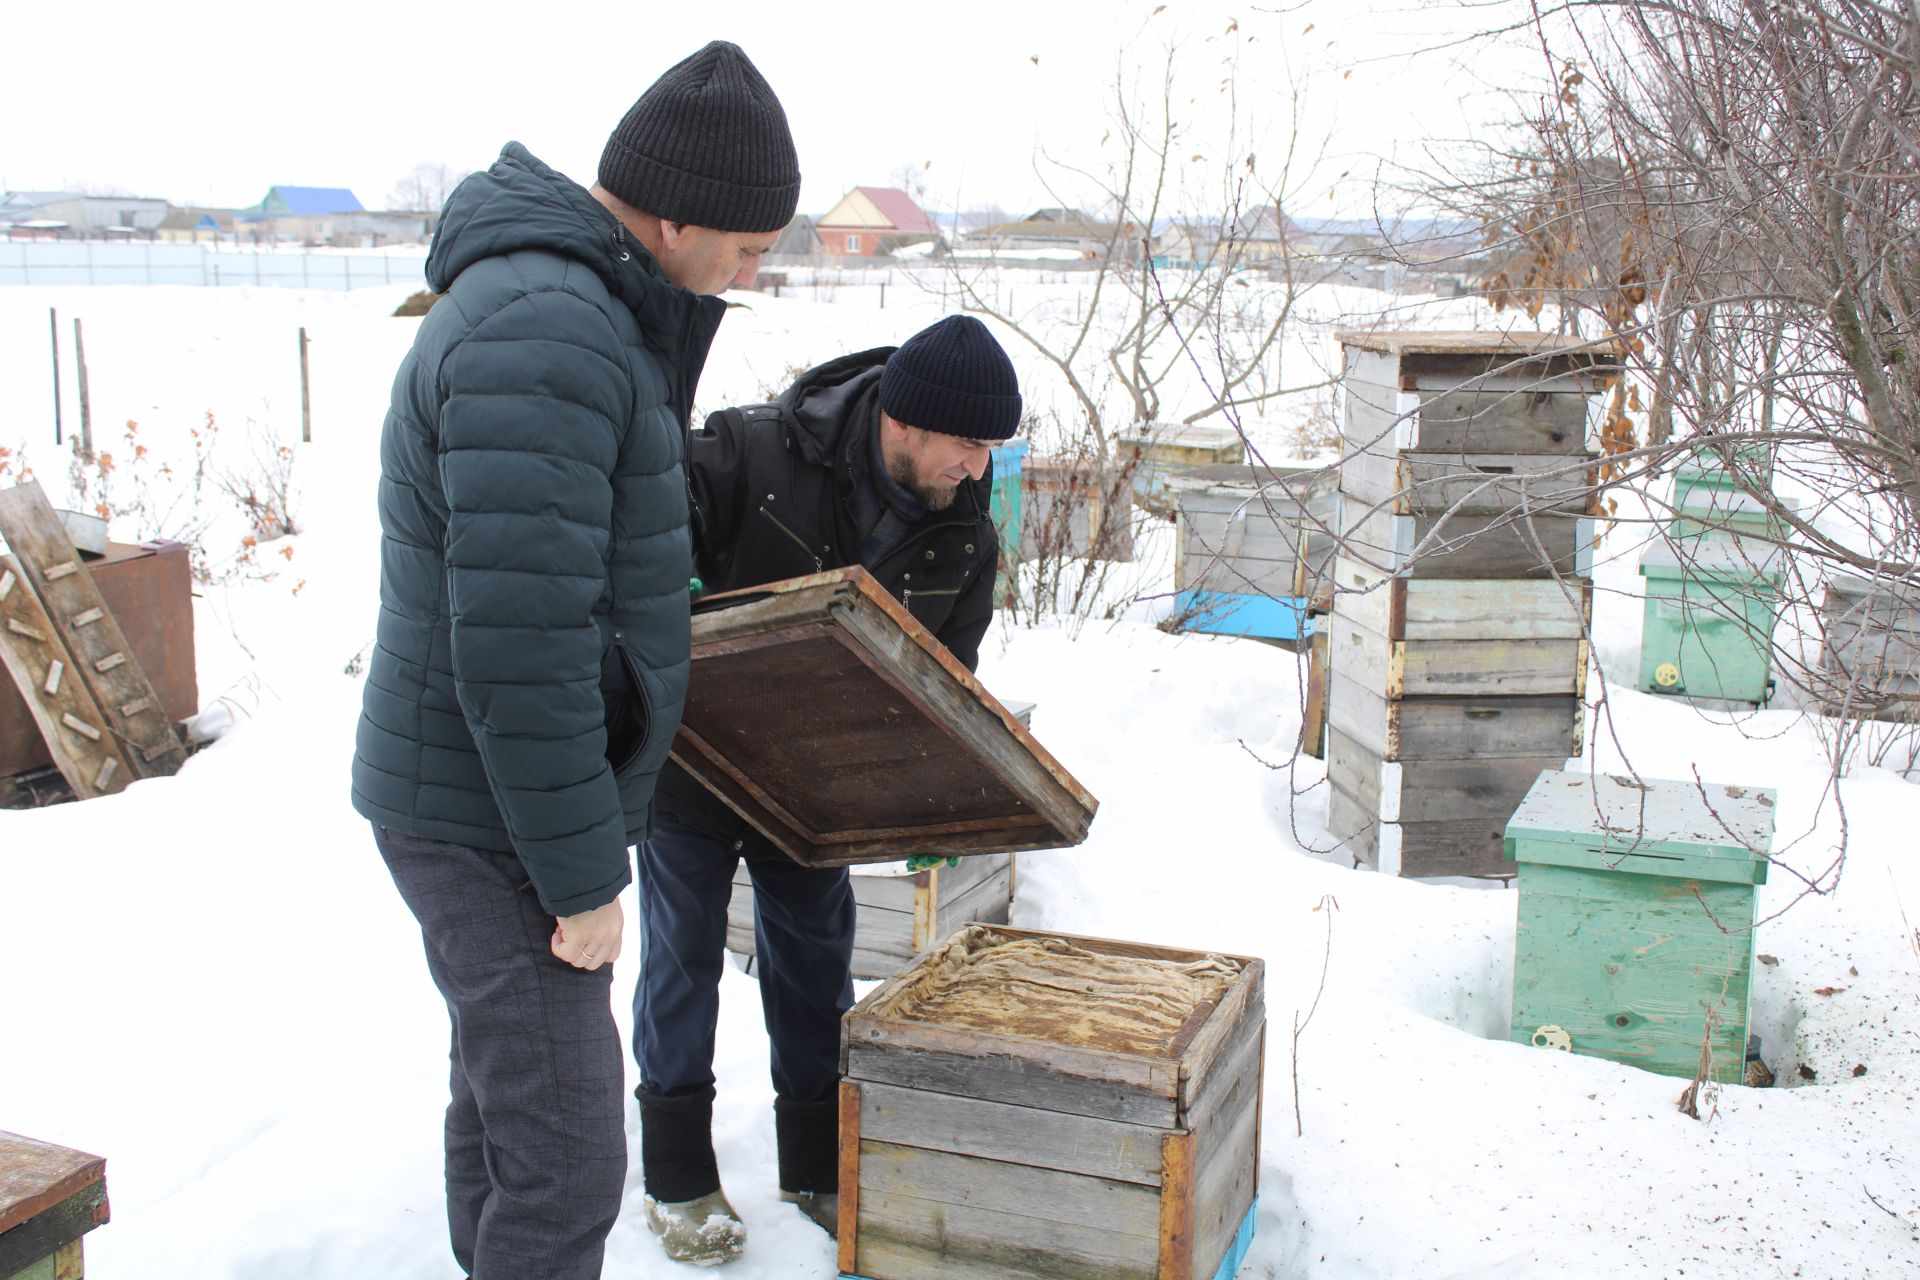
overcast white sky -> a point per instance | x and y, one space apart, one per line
214 110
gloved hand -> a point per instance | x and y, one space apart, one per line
927 862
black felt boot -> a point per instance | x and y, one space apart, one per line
808 1137
685 1206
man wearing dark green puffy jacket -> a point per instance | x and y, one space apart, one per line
531 658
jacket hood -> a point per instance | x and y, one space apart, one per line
521 203
822 399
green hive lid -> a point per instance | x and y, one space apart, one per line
1738 561
1650 821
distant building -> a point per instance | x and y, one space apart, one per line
304 214
800 239
196 226
1072 233
873 221
72 215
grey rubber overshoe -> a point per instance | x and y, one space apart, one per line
704 1232
823 1209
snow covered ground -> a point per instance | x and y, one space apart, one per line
210 981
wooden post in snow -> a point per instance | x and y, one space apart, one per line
86 403
53 319
306 402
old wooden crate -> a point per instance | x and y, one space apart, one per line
1162 450
1253 543
50 1197
835 724
1042 1105
1707 622
1870 649
900 913
149 588
1636 917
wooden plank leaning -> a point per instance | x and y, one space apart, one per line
61 703
130 710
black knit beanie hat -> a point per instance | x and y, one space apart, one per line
707 144
952 377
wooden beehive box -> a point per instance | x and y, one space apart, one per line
1707 622
898 916
1162 450
1448 698
1041 1105
1080 507
826 716
1870 649
899 913
1636 914
1457 643
1253 543
50 1197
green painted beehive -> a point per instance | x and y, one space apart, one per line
1707 626
1637 905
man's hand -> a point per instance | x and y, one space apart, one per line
590 939
930 862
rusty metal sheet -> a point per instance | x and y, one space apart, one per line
149 588
831 720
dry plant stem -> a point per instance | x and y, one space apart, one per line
1329 904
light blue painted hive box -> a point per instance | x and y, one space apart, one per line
1637 907
1254 543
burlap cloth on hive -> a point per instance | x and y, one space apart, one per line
1049 989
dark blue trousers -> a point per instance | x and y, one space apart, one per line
535 1132
803 931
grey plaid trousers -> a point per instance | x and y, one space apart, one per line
536 1148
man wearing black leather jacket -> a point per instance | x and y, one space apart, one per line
881 459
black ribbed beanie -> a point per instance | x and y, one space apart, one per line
707 144
952 377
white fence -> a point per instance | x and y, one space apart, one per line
83 262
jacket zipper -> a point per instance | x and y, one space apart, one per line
906 597
819 565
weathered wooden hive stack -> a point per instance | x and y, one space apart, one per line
1046 1106
1253 544
1870 649
1462 589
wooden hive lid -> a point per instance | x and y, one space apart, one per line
1296 482
1511 344
824 714
36 1176
1648 827
1713 561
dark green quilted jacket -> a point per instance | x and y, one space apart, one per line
531 660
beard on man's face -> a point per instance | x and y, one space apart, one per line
932 497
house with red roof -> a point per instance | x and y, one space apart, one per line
870 222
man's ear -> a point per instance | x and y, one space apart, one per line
672 234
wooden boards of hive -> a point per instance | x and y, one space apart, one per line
1458 638
833 722
1005 1111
